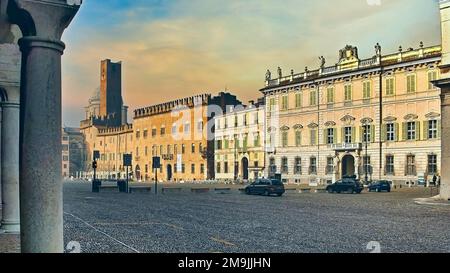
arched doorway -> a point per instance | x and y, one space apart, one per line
244 165
138 172
169 172
348 166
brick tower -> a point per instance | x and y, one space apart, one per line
111 103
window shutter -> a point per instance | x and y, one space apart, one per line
372 133
361 134
342 134
417 130
383 136
397 132
439 128
405 131
335 136
325 136
425 130
353 134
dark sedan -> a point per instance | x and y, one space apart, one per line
266 187
379 186
346 185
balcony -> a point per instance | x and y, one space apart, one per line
347 146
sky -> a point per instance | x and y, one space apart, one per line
177 48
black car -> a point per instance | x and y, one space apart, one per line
266 187
379 186
350 185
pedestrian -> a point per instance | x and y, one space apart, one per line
434 179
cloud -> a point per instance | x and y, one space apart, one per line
177 48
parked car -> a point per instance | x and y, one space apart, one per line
381 185
266 187
350 185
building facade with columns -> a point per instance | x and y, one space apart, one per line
239 143
376 118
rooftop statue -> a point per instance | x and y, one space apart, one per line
268 75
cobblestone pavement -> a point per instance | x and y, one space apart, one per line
210 222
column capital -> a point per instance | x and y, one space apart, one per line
44 19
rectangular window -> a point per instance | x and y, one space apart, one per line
193 148
313 137
298 138
348 134
257 140
348 96
272 104
313 97
411 130
330 136
298 100
298 165
183 149
202 168
284 165
218 167
367 90
410 165
225 167
138 134
145 133
330 165
367 167
330 95
192 168
432 164
390 132
366 133
183 168
153 132
432 129
284 102
390 165
284 139
390 87
187 128
312 165
432 76
411 83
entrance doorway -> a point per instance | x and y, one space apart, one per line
169 172
244 165
348 166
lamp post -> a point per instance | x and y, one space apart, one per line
366 123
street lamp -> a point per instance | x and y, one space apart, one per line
366 123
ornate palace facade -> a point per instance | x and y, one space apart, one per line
378 116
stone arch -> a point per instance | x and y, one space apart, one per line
3 95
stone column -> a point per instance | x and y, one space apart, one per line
41 208
1 202
445 154
10 167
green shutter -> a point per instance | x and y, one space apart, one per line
418 130
383 132
439 128
335 136
342 134
353 134
404 131
325 136
372 133
397 131
361 133
425 130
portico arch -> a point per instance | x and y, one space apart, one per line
348 165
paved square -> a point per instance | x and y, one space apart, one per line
209 222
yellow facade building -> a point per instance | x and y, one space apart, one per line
376 118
